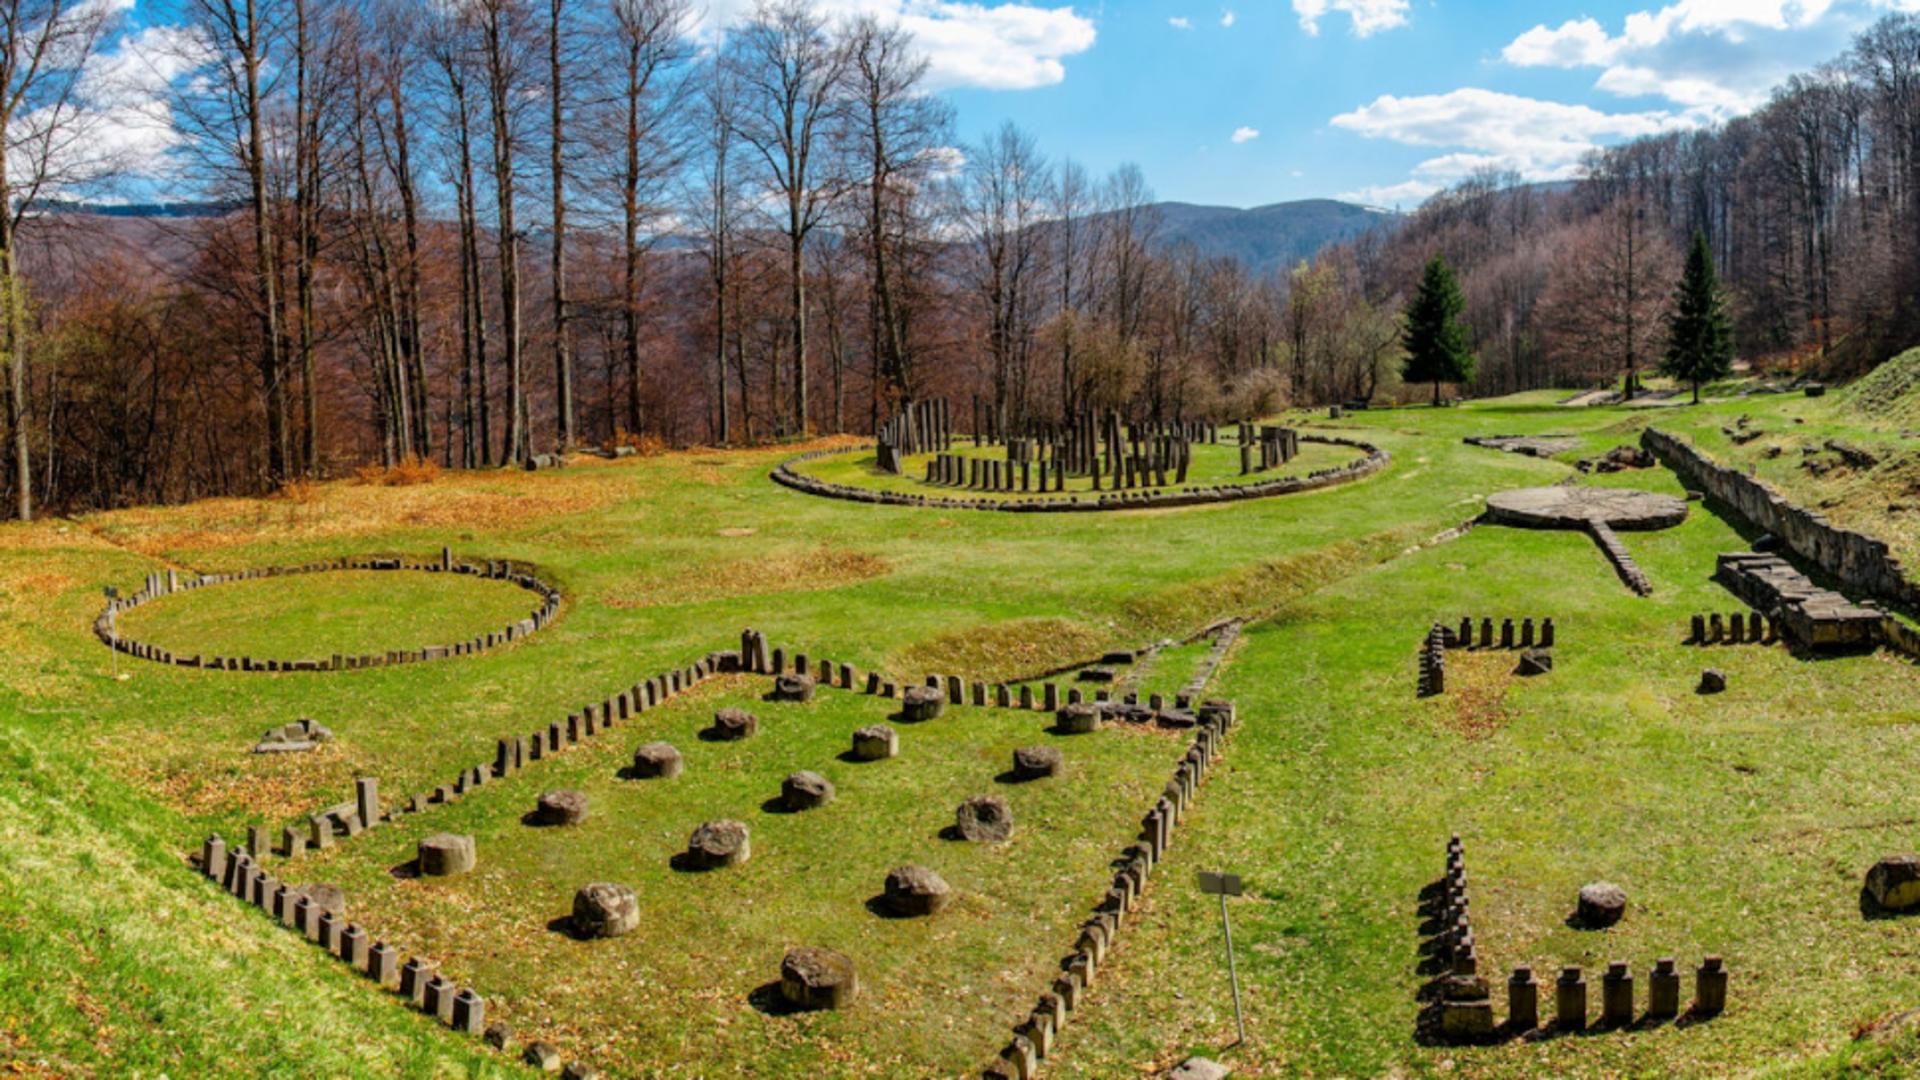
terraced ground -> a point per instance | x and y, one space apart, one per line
1739 824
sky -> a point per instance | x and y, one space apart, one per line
1249 102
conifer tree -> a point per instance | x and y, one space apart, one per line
1699 334
1435 340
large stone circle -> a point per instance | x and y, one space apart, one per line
1578 506
1373 460
167 583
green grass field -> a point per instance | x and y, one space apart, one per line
1740 824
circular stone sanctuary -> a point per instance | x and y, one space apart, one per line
1096 461
169 582
1581 507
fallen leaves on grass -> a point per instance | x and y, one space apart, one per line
1476 694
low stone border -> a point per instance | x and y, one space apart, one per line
167 582
1375 460
1736 628
1034 1036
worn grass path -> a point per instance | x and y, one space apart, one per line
1739 824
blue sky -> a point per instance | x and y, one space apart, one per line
1385 100
1245 102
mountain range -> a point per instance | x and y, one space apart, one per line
1265 239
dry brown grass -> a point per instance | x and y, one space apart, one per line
798 570
503 500
1475 704
408 472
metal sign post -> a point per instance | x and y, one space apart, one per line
1224 885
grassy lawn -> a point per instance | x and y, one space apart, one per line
1739 824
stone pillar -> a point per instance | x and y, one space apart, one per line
1697 630
213 857
1716 628
1570 1000
1523 1000
1486 633
1616 995
383 964
1710 987
413 980
366 800
469 1012
1506 633
354 945
1526 633
1663 989
1736 628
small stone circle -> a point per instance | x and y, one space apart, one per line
1079 718
817 978
1576 506
719 843
876 743
730 723
919 703
915 890
805 790
793 688
1601 904
562 807
602 909
1712 681
446 854
1035 762
658 760
1894 882
984 819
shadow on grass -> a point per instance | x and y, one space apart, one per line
877 905
767 1000
406 871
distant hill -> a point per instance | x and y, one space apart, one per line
1265 239
1268 238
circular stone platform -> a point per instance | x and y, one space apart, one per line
1577 507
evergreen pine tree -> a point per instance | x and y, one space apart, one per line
1699 334
1435 341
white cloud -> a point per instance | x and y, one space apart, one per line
1715 58
1369 16
1542 140
1009 45
1180 22
1228 18
1409 194
1245 134
118 121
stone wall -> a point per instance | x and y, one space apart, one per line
1857 561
